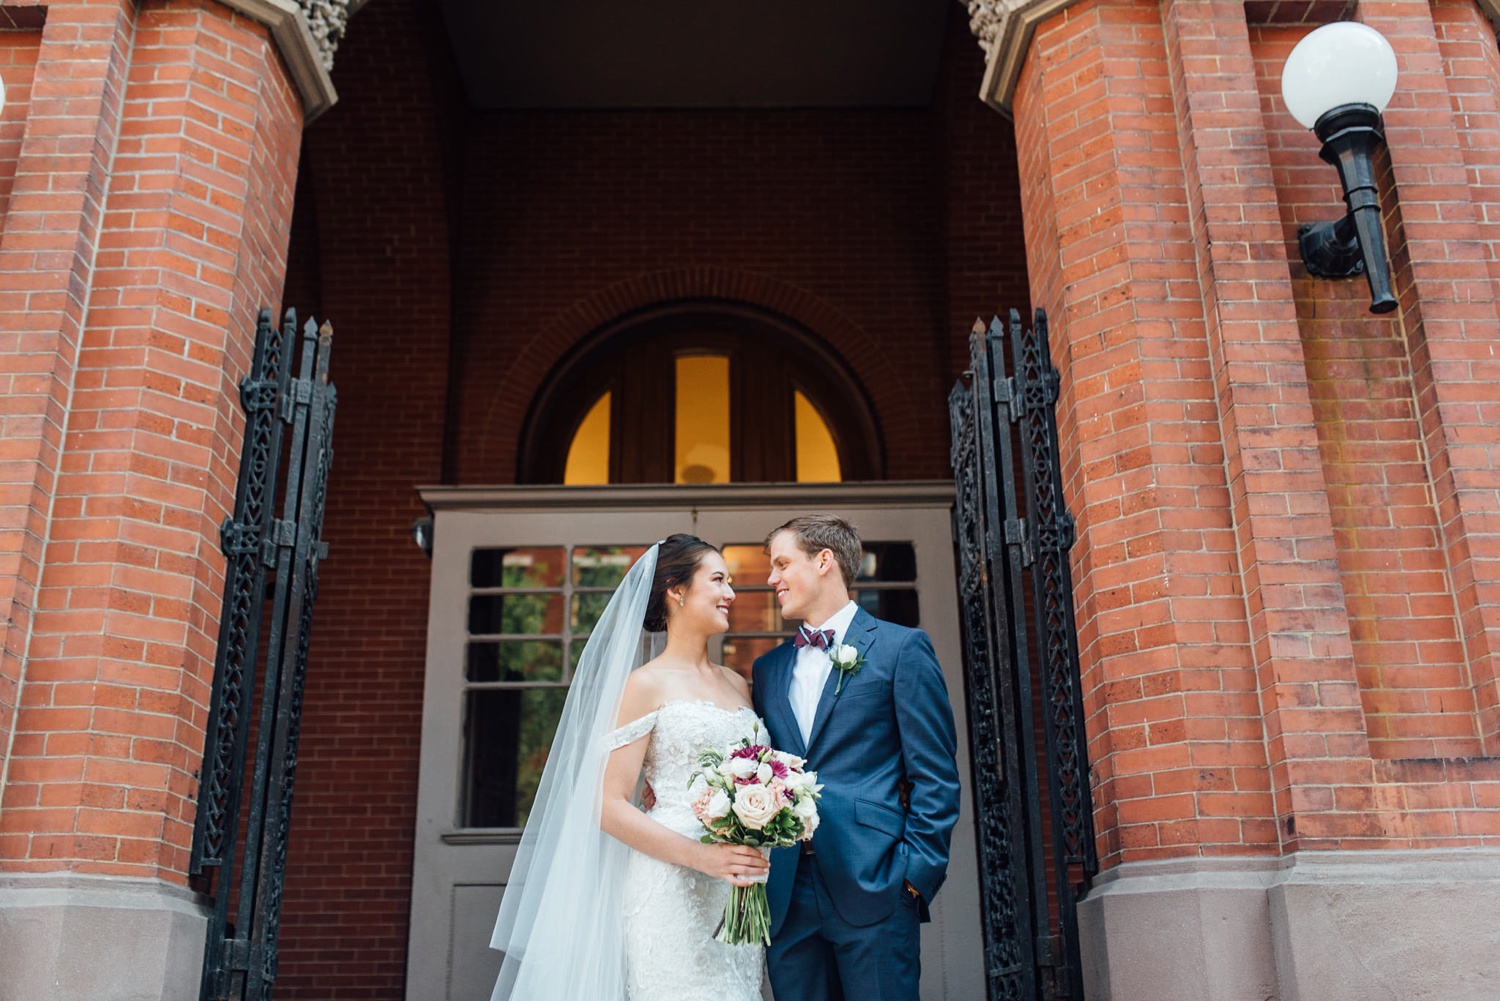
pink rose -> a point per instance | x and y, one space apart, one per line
755 805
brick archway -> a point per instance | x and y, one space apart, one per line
511 399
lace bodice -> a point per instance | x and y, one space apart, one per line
680 731
671 912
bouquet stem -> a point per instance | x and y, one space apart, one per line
747 917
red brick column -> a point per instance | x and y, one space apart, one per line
146 224
1171 677
195 211
1299 628
1285 505
69 119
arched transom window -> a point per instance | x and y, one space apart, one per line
705 394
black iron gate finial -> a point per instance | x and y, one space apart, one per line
273 566
1021 649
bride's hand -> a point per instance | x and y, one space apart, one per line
732 863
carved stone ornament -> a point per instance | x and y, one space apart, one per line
1004 29
327 19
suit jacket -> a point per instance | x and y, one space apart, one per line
892 723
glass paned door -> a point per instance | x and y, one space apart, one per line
520 576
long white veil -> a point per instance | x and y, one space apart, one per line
560 918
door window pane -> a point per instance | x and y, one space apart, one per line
702 419
529 615
516 567
526 660
508 732
886 585
515 614
588 455
817 456
603 566
586 611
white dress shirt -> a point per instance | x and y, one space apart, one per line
810 672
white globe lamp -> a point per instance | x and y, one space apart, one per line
1336 82
1338 64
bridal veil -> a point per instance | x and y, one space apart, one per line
560 924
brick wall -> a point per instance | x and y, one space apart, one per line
370 250
843 207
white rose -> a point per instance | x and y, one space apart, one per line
743 768
764 773
790 760
807 812
845 654
718 806
755 806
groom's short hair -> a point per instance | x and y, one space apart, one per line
817 532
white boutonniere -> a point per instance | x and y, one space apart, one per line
847 660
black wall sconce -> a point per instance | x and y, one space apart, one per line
1336 82
421 534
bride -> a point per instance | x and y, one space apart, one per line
606 902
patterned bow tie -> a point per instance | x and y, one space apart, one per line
820 638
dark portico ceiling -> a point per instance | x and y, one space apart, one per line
555 54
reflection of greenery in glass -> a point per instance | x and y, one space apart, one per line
603 566
510 729
533 568
524 613
540 710
586 611
508 567
515 614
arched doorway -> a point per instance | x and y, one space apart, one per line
701 392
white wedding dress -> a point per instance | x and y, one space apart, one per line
671 912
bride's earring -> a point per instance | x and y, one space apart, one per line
681 602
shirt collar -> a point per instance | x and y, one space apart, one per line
839 621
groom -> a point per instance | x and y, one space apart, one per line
845 906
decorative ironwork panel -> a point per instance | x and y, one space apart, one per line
1020 660
1002 873
243 537
280 560
1052 582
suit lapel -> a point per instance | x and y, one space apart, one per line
778 699
860 634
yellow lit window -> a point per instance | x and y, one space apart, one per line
817 458
702 419
588 456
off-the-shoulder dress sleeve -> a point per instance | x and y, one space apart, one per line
630 732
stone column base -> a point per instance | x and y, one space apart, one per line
1330 926
69 937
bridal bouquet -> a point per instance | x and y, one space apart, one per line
753 795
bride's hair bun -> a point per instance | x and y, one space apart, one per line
677 559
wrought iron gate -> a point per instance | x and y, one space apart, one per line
271 572
1021 649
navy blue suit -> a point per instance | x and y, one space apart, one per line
842 922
